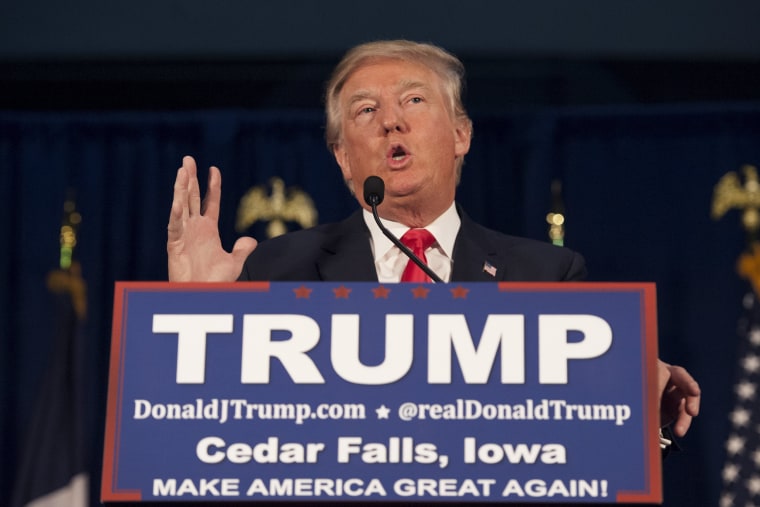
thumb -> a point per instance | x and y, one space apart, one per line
663 376
243 248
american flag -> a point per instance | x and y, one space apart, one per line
741 471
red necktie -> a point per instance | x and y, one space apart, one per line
418 240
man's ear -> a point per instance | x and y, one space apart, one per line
341 157
462 137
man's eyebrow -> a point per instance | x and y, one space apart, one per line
359 96
403 86
407 85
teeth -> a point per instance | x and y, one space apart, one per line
398 157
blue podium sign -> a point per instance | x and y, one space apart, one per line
326 392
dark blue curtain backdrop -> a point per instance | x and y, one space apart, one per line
637 187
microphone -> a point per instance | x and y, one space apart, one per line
374 192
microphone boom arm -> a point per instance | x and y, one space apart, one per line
424 267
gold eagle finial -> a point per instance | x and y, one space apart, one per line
730 193
283 205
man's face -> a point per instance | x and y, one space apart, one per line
396 124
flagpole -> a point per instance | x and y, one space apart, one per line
556 216
53 470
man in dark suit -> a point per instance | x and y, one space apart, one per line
343 251
394 110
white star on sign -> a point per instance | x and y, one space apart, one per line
382 412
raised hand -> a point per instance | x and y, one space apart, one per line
193 246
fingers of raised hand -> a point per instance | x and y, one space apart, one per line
193 189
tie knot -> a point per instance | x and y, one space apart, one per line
418 240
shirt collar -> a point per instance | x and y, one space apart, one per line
445 229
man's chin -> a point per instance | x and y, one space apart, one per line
402 187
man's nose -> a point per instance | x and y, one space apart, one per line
393 120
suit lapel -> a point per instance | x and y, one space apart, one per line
474 255
347 254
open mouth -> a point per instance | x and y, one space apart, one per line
397 153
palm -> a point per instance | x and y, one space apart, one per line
193 245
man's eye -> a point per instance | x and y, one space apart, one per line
367 110
416 100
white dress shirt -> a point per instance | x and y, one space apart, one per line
390 261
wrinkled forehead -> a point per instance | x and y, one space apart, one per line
372 75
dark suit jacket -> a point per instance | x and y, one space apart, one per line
341 252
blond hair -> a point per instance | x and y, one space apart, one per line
444 64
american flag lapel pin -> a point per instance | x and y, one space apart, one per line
489 268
